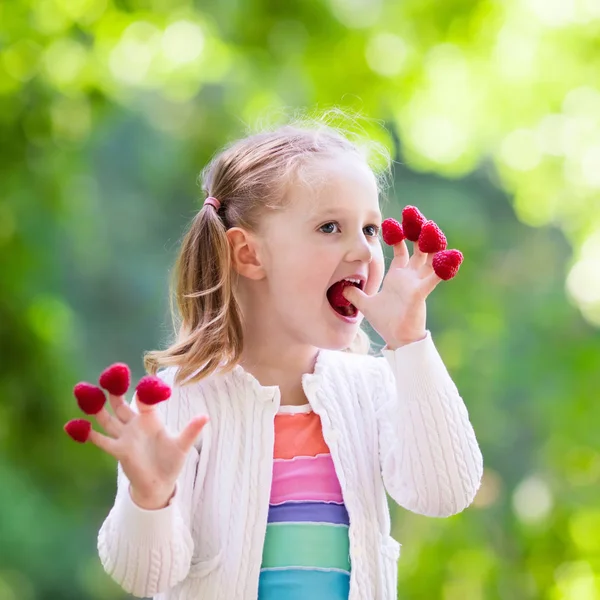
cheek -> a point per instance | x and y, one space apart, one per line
298 272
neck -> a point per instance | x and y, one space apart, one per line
272 361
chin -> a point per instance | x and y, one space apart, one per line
327 331
338 340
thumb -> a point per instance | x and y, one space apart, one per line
191 432
356 296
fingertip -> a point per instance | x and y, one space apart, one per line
202 420
105 443
401 251
117 402
102 414
418 254
431 282
352 297
352 289
142 407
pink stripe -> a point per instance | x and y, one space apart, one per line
305 479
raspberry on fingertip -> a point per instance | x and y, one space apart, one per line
90 398
446 263
412 222
392 232
78 430
432 238
152 390
116 379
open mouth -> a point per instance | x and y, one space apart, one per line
337 300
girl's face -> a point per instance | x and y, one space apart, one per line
329 231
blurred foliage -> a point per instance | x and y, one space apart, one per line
108 110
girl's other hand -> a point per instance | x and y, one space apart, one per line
150 457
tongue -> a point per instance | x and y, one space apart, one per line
336 298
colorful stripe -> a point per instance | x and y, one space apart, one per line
311 512
306 552
306 545
303 584
298 435
305 479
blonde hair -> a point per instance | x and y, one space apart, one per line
248 177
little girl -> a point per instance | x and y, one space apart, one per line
265 474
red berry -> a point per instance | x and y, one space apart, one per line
152 390
335 296
78 429
432 238
392 232
446 263
115 379
412 221
90 397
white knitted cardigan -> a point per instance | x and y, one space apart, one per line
396 421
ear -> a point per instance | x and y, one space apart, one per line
244 253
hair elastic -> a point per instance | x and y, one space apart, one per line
213 202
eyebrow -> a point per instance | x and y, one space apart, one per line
332 212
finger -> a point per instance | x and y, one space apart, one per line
103 442
143 408
427 268
430 283
120 408
418 258
110 424
191 431
355 296
401 255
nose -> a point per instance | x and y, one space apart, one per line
360 250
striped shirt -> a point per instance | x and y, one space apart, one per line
306 550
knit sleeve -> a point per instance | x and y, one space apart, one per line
430 459
148 552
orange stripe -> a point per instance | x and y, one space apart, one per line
298 435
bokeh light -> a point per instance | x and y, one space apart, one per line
491 112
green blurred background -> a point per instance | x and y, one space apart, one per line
108 111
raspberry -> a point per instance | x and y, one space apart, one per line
335 296
446 263
432 238
115 379
90 397
152 390
78 429
412 221
392 232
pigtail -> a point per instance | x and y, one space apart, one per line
210 328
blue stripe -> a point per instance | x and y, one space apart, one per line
309 512
303 584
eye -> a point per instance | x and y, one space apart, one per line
329 226
373 229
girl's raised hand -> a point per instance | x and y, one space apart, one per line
398 311
150 457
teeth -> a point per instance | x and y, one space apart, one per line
352 280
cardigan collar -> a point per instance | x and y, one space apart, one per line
310 381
